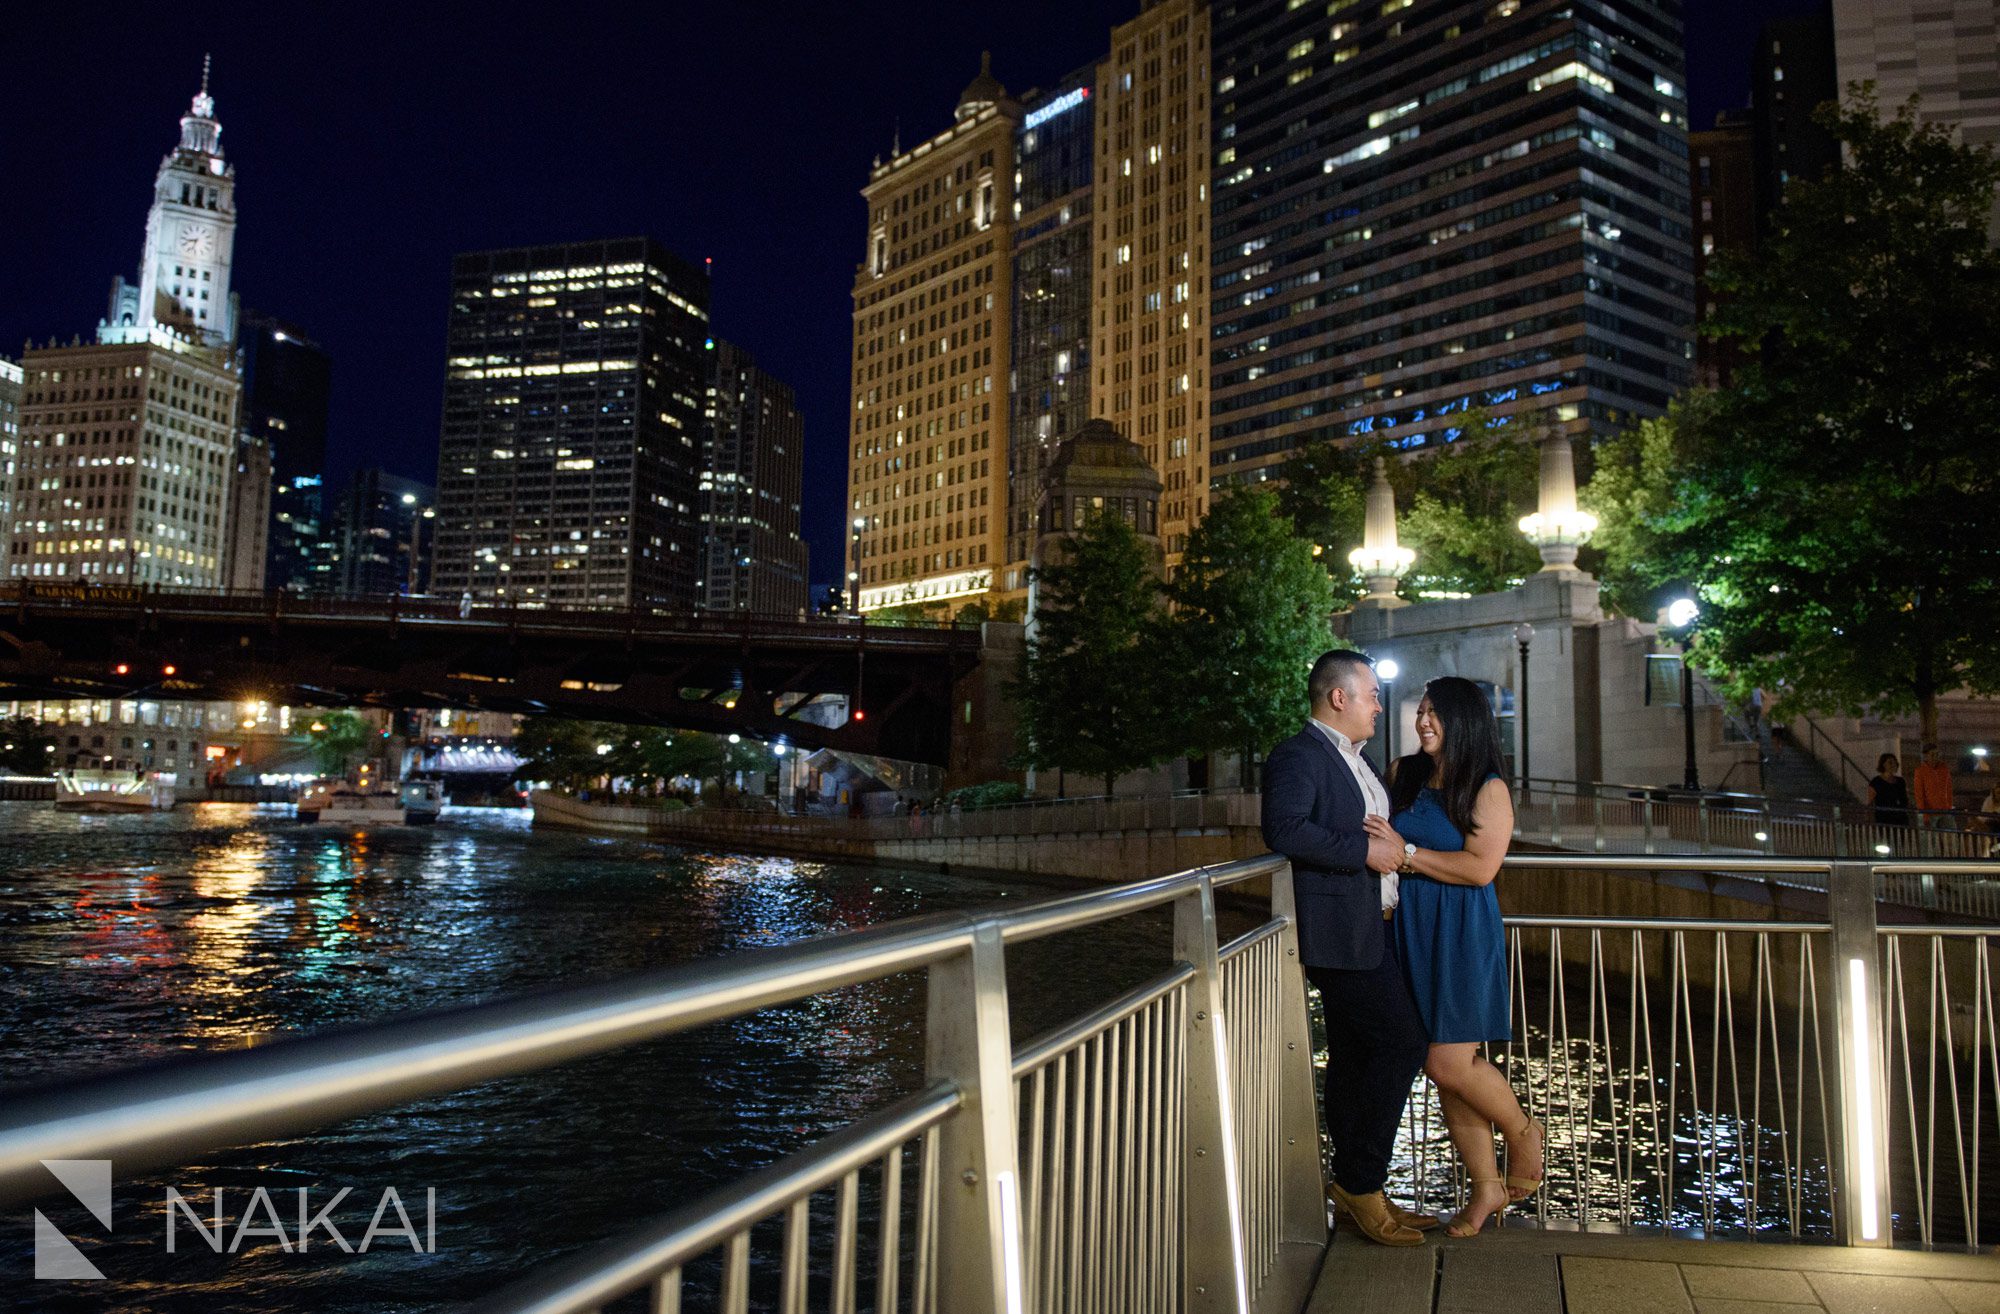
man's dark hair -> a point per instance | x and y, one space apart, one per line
1335 669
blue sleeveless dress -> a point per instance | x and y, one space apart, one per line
1453 947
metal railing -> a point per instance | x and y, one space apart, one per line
1184 811
1604 818
1831 1079
1153 1154
1828 1078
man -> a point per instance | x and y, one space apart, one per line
1317 791
1931 791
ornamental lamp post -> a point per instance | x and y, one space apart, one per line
1558 528
1379 560
1682 613
1524 634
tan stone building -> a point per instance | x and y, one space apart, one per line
1150 367
126 456
927 474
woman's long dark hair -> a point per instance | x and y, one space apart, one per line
1471 752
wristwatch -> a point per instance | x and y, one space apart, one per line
1409 866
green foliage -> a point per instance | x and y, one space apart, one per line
1324 494
1632 492
24 748
1834 509
339 738
989 794
1461 507
1087 694
1251 611
573 753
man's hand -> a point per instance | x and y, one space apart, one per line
1385 851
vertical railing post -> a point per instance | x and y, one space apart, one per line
1301 1172
979 1213
1701 822
1646 817
1861 1198
1215 1274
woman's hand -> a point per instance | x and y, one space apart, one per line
1379 828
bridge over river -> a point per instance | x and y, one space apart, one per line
1711 1088
887 690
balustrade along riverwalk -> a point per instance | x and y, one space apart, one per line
1831 1079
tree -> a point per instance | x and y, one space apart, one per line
1251 612
1323 492
26 749
1463 506
337 738
1087 691
1632 492
1834 509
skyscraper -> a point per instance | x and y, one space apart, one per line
130 444
1724 213
287 381
384 528
1151 336
1792 72
752 478
1946 51
10 447
1048 378
927 482
1423 208
572 422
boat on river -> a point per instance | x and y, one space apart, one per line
412 803
93 790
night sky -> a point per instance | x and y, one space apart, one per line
369 149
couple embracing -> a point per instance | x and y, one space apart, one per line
1399 931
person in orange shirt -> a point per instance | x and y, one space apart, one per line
1930 788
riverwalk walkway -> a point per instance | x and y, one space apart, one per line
1521 1269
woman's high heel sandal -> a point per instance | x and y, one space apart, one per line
1521 1188
1458 1228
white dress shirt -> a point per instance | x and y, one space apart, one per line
1373 795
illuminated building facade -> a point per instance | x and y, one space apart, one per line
1424 206
752 481
10 444
128 446
1150 366
572 425
927 473
1048 381
127 453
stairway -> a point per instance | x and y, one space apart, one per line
1791 772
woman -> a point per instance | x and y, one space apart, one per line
1451 811
1889 793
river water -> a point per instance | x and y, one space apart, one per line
129 938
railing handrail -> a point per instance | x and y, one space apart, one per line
163 1112
1815 734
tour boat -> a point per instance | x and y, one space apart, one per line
94 790
413 803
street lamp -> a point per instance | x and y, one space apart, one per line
1524 634
1387 670
1681 615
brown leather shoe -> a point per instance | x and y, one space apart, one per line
1373 1219
1408 1218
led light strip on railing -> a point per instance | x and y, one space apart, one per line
1861 1125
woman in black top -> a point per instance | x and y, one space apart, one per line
1889 792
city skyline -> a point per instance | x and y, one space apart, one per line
368 168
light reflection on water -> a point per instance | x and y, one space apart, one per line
126 938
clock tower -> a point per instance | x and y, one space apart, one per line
190 238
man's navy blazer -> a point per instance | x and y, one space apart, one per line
1313 814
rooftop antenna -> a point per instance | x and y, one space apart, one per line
896 142
204 74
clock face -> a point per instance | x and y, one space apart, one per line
197 241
